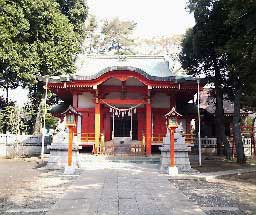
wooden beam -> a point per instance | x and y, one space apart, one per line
129 89
123 101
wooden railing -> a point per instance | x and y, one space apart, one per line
207 142
87 137
158 138
189 138
137 149
248 134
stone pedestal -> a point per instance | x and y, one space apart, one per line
173 171
69 170
181 153
58 158
122 140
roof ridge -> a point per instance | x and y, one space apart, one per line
125 56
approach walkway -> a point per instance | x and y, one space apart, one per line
108 188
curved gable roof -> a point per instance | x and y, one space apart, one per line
154 68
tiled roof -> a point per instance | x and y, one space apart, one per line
207 102
152 67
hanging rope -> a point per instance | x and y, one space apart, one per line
121 111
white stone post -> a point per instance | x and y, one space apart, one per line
131 126
113 125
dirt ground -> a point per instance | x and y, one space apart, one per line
218 163
231 195
26 188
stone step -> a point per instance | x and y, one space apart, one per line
122 140
118 148
121 159
133 159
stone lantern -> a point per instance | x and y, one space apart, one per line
174 151
70 114
172 124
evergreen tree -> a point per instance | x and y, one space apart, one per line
39 37
200 56
225 36
240 51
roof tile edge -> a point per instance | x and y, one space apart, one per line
125 56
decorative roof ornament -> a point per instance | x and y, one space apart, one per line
71 110
172 113
122 58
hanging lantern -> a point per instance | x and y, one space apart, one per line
134 111
110 110
116 113
129 113
122 113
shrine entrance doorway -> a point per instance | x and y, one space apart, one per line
123 126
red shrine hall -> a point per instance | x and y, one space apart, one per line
125 97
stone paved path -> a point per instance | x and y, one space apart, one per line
106 188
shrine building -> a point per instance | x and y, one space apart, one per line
125 97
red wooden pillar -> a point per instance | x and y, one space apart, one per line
107 125
97 126
141 123
75 105
102 113
148 129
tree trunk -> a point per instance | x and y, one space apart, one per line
219 122
36 95
7 94
38 121
236 124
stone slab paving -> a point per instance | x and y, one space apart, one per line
107 188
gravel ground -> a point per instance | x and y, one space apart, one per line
233 195
26 189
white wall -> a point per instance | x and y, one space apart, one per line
85 101
117 95
112 82
134 96
114 95
133 82
161 100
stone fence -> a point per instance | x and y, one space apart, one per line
13 145
209 145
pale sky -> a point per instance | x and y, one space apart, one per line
153 17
